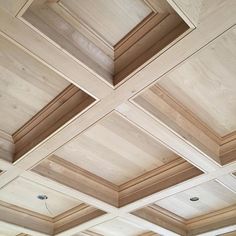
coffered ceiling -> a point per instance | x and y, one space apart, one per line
117 117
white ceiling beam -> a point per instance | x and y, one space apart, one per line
168 137
87 225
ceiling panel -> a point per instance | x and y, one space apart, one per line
206 84
26 86
7 230
23 193
111 19
118 227
212 197
116 150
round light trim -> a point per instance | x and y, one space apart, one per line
42 197
194 199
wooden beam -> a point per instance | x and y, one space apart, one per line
213 18
169 138
32 42
12 6
201 36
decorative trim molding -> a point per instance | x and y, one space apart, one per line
165 178
69 103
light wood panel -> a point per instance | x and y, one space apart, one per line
116 150
26 86
12 6
216 16
111 38
70 102
212 196
23 193
111 19
67 32
206 84
7 231
118 227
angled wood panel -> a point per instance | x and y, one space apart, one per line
206 84
212 196
111 19
110 38
116 150
26 86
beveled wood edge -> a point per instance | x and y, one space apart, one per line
159 182
226 144
145 58
214 221
119 78
83 172
27 223
166 221
132 187
65 106
220 169
206 223
75 216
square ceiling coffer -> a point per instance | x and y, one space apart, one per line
111 38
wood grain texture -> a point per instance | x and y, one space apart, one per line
23 193
118 227
69 103
13 7
53 22
157 102
205 84
66 173
200 148
212 196
159 217
155 35
7 230
111 19
116 150
26 86
155 181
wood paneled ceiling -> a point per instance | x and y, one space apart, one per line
117 117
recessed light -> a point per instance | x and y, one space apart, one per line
42 197
194 199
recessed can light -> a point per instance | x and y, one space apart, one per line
194 199
42 197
